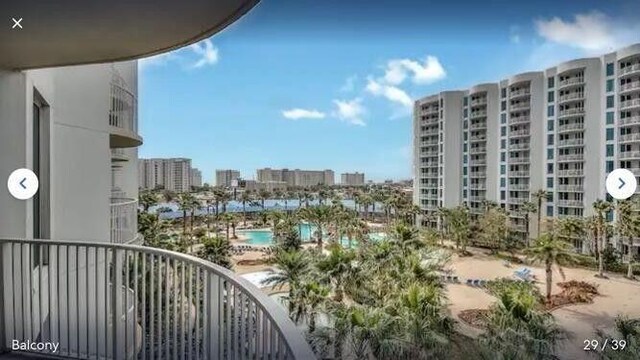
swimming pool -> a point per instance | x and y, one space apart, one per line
265 237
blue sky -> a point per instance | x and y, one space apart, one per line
329 84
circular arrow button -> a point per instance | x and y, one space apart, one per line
621 184
22 184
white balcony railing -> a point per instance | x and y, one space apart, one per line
520 106
629 137
478 126
633 120
480 101
124 220
574 172
572 81
571 142
629 155
570 127
475 114
519 187
570 203
520 173
518 133
630 103
114 301
630 86
570 188
122 111
571 111
519 119
524 160
519 92
519 146
478 150
629 69
571 157
571 96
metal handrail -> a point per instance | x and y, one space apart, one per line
121 298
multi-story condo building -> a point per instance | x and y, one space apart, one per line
171 174
296 177
551 135
352 179
196 177
226 178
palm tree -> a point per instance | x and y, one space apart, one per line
245 197
526 209
292 266
337 267
628 226
458 222
494 228
217 250
550 251
263 195
627 330
228 219
307 300
570 228
319 216
600 207
169 195
195 205
185 203
147 199
366 201
541 196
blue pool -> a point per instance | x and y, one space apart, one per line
265 237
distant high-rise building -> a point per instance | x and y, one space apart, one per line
171 174
296 177
226 178
352 179
196 177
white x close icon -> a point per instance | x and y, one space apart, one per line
16 23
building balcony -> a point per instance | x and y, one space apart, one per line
430 120
519 93
478 187
634 68
519 174
570 127
429 196
633 120
633 103
429 142
570 203
478 126
519 119
114 301
570 188
429 153
124 221
519 133
519 187
429 175
571 173
571 97
629 155
477 114
629 138
571 142
119 155
571 81
517 200
477 138
519 146
478 161
524 160
571 157
478 150
571 112
480 101
123 122
478 174
477 198
630 86
520 106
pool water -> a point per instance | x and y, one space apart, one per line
265 237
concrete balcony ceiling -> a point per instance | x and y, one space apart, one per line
73 32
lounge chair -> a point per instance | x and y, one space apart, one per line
476 282
454 279
469 282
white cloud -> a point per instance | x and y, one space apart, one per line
592 31
390 92
350 111
349 84
297 113
207 52
428 72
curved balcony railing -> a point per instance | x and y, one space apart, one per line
124 220
115 301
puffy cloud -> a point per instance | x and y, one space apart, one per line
390 92
206 51
298 113
350 111
430 71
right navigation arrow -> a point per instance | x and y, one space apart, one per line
622 183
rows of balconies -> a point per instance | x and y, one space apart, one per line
571 96
571 111
570 188
570 203
519 119
630 69
629 137
571 157
633 120
630 103
571 127
571 142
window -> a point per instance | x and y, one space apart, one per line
550 139
549 211
503 182
609 85
503 93
610 69
550 96
465 124
503 195
551 82
549 154
503 106
503 144
466 101
465 147
503 156
465 158
464 182
503 169
464 170
610 102
610 118
609 134
465 136
609 166
550 125
550 110
466 112
549 168
503 118
503 131
549 183
609 150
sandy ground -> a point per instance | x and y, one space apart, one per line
618 296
